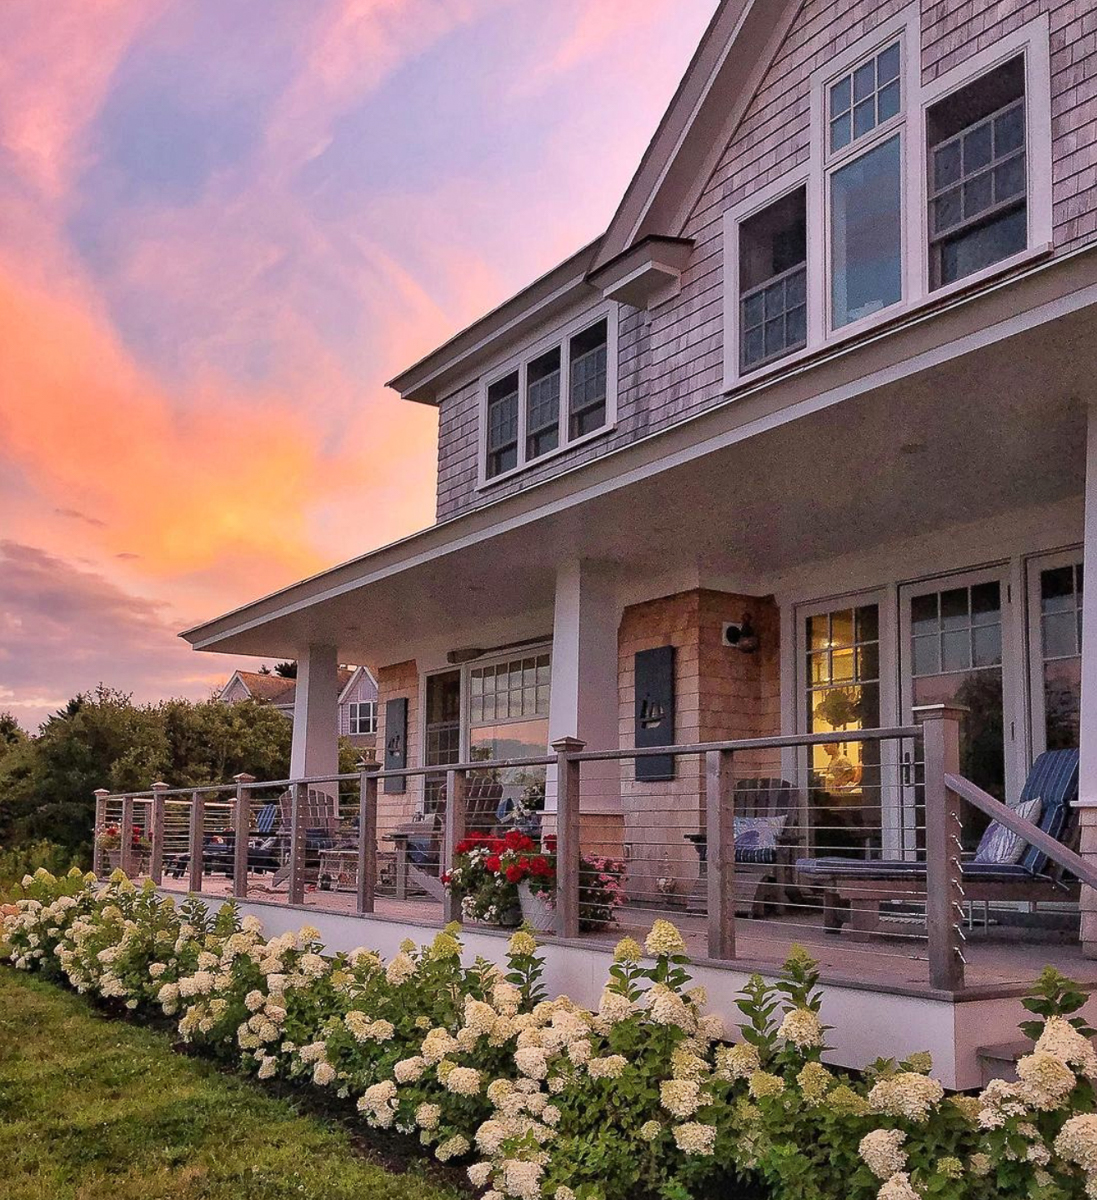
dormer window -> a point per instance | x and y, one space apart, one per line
560 393
865 98
503 425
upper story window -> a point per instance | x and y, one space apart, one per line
865 187
363 716
563 392
503 425
977 174
911 188
773 281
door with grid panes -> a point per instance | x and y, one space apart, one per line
956 647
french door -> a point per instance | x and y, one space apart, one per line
958 645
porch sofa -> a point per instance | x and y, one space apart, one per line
854 889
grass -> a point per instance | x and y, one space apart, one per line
92 1107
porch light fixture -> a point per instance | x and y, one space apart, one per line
742 637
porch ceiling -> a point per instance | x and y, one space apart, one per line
1002 427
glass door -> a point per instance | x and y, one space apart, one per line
1055 641
442 734
954 649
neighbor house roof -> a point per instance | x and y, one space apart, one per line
280 691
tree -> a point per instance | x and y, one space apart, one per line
12 734
105 740
288 670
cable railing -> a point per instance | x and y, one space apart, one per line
851 843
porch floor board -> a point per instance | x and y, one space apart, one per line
884 963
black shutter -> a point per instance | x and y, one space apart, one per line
654 672
396 743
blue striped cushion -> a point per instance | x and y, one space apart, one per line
1054 777
756 855
265 818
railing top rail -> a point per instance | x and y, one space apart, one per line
781 742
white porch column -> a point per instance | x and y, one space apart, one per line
1087 727
315 748
583 703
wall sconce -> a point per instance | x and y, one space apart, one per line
741 636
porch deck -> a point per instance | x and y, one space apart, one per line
998 963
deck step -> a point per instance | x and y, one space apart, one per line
1000 1061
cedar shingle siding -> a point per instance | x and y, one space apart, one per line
670 360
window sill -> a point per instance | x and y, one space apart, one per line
841 338
485 485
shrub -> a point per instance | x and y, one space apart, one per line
643 1097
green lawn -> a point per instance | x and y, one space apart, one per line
96 1109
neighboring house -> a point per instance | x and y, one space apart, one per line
357 691
822 390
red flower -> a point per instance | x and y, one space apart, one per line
446 878
493 862
523 862
516 840
541 866
550 843
515 873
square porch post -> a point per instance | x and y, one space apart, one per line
314 750
1087 724
241 824
157 814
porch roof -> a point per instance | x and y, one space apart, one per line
929 424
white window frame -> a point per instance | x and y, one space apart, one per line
354 713
1034 567
1033 41
561 337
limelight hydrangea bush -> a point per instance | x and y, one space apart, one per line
542 1098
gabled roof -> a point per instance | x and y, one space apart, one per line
725 72
282 692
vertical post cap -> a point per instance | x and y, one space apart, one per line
940 712
159 786
568 745
368 764
101 792
243 777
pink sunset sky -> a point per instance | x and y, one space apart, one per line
222 227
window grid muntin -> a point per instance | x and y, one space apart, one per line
955 630
990 170
1070 606
514 689
856 93
789 291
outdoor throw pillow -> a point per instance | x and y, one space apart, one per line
1000 846
756 838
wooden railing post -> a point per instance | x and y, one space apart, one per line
567 836
101 795
944 845
126 857
367 834
157 814
197 838
456 809
241 827
300 799
720 852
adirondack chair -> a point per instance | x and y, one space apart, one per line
320 819
853 889
762 878
419 846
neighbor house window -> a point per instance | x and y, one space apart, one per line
773 281
363 716
503 425
561 392
978 211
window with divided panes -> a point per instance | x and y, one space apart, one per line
773 281
502 425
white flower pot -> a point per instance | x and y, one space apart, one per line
537 912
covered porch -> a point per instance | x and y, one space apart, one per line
780 574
